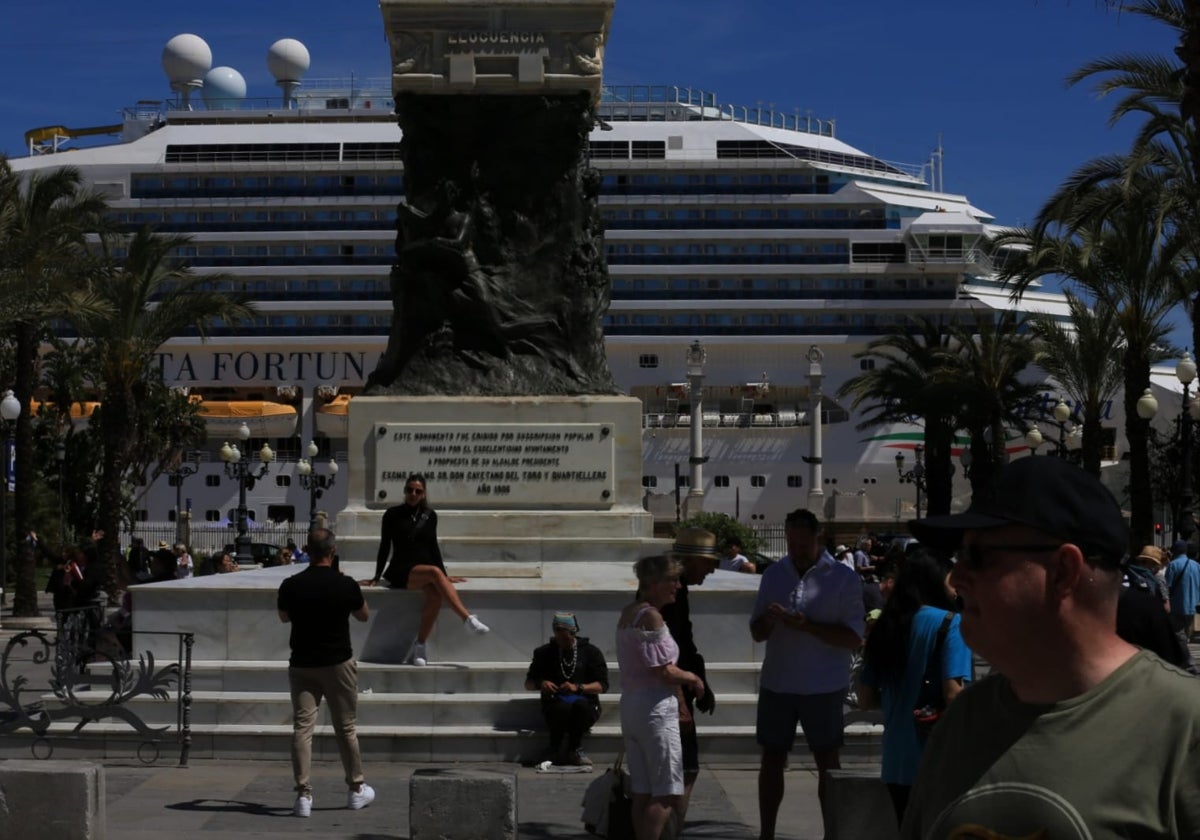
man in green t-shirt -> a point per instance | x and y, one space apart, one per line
1076 734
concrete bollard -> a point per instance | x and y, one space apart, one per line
51 800
860 806
462 805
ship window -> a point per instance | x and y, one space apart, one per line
141 515
212 481
648 360
758 481
721 481
649 481
281 513
212 515
283 481
866 364
795 481
649 149
683 481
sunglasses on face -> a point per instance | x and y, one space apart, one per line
413 491
971 557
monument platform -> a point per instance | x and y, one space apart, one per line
469 703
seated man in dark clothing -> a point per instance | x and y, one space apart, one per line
570 673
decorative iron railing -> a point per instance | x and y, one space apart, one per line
83 671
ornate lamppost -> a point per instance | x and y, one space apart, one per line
696 356
915 476
245 473
1185 371
10 410
188 465
816 488
315 483
1060 414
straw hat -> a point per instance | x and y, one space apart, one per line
1151 554
695 542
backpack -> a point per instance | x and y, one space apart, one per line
1141 578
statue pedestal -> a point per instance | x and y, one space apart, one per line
513 479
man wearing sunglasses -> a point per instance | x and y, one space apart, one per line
1044 746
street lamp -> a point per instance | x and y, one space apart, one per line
315 483
188 465
1185 371
244 472
10 410
696 356
60 457
915 476
816 489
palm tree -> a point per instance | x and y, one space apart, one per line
913 381
1081 360
44 222
1125 258
992 354
152 299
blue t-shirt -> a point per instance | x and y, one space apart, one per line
901 747
1183 582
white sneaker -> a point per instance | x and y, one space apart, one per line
303 806
361 798
475 625
418 654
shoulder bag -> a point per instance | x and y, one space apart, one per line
931 699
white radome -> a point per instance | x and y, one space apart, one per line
224 88
288 60
186 58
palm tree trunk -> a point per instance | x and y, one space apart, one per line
115 432
1092 449
1141 497
24 568
939 442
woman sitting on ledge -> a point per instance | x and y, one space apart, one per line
410 539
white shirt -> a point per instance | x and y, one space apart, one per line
797 662
735 563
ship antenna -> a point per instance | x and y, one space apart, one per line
288 59
935 165
186 59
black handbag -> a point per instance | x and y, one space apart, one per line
931 699
608 805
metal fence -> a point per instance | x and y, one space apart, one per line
204 538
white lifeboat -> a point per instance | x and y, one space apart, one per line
332 419
223 418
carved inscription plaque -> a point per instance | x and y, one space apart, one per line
520 466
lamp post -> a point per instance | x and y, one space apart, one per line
60 457
1185 371
188 465
816 488
315 483
915 476
1034 439
696 356
243 471
10 410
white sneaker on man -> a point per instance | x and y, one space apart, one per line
303 806
473 624
361 798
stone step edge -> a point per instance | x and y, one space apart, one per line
853 730
512 665
372 697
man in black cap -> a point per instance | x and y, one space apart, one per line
1043 746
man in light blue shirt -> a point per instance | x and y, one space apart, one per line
1183 582
809 611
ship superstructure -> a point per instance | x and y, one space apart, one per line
755 233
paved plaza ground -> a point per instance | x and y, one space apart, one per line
250 799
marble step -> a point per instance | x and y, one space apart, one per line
109 741
450 711
438 677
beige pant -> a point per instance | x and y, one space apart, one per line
338 683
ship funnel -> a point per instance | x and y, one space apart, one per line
288 60
186 59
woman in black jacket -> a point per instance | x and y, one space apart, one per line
409 538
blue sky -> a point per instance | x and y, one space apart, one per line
987 75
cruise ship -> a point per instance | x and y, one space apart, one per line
757 234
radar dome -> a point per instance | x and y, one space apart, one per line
287 59
186 58
224 88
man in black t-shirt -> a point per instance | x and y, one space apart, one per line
318 602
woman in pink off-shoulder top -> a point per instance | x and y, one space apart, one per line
650 680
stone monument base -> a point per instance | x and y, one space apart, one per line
513 479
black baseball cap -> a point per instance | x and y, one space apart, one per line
1045 493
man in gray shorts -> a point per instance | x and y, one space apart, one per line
809 612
